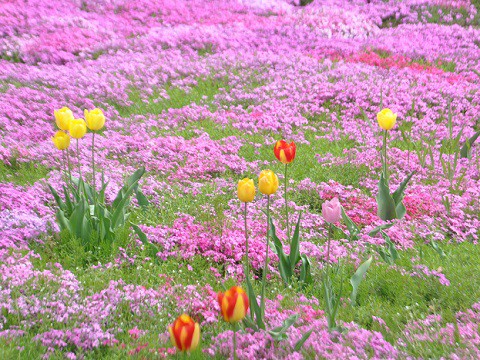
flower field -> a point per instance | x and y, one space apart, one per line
262 179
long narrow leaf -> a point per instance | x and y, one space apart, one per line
305 272
377 229
279 332
254 304
294 256
284 262
398 194
302 340
466 148
57 198
385 203
141 198
130 183
357 279
351 226
63 222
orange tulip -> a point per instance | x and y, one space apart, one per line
185 333
233 304
284 151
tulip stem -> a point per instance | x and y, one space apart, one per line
64 161
286 205
79 165
235 341
265 268
330 233
247 265
93 165
69 171
385 173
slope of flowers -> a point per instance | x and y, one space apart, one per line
198 92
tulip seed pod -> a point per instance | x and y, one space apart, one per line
233 304
185 333
386 119
267 182
95 119
284 151
246 190
63 117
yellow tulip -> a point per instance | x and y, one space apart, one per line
95 119
246 190
63 117
78 128
386 119
267 182
61 140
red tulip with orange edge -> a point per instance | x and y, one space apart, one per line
284 151
185 333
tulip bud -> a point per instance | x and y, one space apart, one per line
246 190
332 210
95 119
386 119
284 151
63 117
267 182
61 140
185 333
78 128
233 304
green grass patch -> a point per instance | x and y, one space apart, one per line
22 173
178 98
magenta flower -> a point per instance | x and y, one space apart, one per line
332 210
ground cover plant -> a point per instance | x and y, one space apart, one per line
266 179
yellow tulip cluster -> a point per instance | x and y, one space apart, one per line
77 128
267 184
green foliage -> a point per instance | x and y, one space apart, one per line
332 297
84 214
288 263
388 252
177 98
354 230
465 151
21 173
390 206
279 333
357 278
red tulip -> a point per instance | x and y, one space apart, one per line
284 151
185 333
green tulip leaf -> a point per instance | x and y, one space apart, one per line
351 226
279 333
302 340
305 272
357 279
284 261
466 148
294 256
386 204
57 198
377 229
401 210
63 222
398 194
